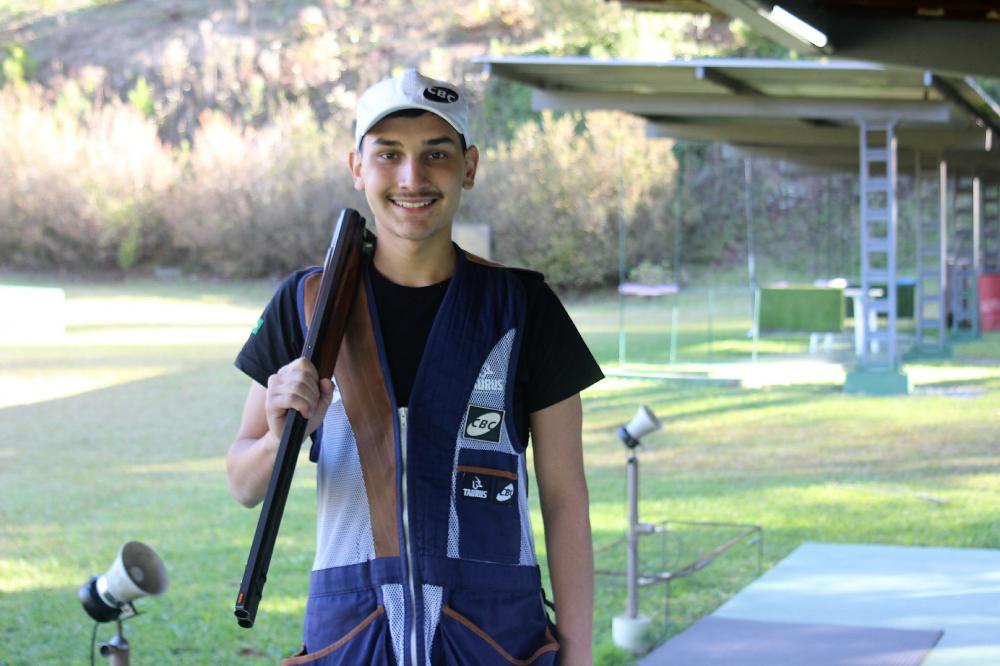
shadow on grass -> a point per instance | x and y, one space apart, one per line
676 402
974 386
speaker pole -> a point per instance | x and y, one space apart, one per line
631 630
117 649
632 567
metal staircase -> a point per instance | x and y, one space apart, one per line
878 245
990 226
929 312
963 261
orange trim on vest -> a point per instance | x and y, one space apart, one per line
329 649
369 411
488 471
550 646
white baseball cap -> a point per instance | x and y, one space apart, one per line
412 90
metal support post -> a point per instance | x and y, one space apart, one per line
632 566
965 258
631 630
117 649
929 305
943 179
990 226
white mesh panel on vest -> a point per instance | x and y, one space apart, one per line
432 614
395 611
527 538
343 520
490 391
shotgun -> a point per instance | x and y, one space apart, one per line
338 288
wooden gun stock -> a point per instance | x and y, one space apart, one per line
337 291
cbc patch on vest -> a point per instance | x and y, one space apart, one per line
483 424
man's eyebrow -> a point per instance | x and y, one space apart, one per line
440 141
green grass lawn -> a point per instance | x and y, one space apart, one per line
119 430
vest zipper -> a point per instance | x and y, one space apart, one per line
406 539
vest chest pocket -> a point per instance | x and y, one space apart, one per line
486 503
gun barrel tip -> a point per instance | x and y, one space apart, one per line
243 617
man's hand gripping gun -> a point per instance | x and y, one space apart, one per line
337 291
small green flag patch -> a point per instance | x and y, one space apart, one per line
260 322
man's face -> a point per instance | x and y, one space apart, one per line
413 171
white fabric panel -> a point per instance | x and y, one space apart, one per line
395 611
527 537
432 614
343 520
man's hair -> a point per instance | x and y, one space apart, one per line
416 113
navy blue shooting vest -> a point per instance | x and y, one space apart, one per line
425 554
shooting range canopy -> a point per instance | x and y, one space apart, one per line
805 111
941 35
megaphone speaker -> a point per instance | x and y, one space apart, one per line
643 423
137 572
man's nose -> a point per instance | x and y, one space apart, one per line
411 173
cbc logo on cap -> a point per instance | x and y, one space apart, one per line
440 94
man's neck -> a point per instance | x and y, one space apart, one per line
415 264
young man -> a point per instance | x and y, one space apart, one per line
425 553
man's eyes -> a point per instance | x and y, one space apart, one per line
434 155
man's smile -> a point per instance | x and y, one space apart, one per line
412 203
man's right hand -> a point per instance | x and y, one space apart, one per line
297 386
251 456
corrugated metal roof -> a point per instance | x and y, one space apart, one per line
820 79
767 103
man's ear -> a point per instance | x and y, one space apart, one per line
471 163
354 162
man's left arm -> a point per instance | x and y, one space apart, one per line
562 489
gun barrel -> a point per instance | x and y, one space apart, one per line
338 287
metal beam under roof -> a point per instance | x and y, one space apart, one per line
783 106
955 36
747 106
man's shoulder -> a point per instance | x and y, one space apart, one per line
531 278
297 287
292 280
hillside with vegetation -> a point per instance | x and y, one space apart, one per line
209 136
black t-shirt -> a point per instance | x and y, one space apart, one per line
553 365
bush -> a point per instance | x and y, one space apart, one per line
254 202
16 65
98 190
78 195
554 196
86 185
